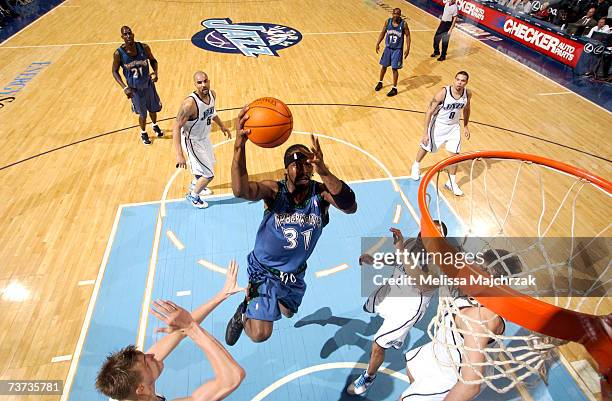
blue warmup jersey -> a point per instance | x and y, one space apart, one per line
288 233
135 70
395 35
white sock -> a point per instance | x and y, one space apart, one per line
144 131
367 376
155 124
394 87
452 179
416 164
194 194
380 82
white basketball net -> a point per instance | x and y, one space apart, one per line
521 207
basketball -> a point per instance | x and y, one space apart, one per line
270 122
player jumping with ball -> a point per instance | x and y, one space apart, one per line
296 210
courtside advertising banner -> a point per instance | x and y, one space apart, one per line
557 47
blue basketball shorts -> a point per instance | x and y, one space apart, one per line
146 99
393 58
268 290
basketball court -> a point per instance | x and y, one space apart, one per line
95 226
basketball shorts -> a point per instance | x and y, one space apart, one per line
443 133
200 156
146 99
268 290
393 58
433 378
400 313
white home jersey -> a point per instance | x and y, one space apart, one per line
450 110
199 128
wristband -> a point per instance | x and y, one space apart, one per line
125 88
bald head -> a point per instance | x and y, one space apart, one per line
201 83
199 76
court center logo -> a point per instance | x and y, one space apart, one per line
249 39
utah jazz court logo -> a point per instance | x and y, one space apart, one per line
249 39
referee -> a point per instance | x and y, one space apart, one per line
447 23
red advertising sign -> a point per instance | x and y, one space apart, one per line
543 41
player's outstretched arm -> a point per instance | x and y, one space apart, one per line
227 372
336 192
241 186
166 345
186 111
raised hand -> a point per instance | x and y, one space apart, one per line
173 315
231 287
398 238
241 133
316 157
366 259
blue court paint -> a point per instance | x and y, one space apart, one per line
597 92
330 326
116 315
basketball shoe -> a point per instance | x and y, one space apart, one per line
235 326
196 201
158 131
453 188
361 385
144 137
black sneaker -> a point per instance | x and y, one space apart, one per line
378 86
158 131
145 138
235 326
392 92
434 54
441 58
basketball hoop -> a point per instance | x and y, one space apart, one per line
542 318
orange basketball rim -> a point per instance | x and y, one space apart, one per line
592 331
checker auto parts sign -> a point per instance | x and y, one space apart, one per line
250 39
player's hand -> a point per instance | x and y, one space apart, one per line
425 139
231 287
180 161
366 259
128 92
241 133
466 132
316 157
398 238
377 48
154 76
227 132
173 315
406 54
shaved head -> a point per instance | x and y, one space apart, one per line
199 76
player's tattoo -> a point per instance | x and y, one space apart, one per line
183 114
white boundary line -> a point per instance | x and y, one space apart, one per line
174 40
331 270
554 93
88 315
318 368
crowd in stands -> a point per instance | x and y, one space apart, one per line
8 11
575 17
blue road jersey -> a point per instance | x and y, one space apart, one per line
395 35
288 233
136 69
